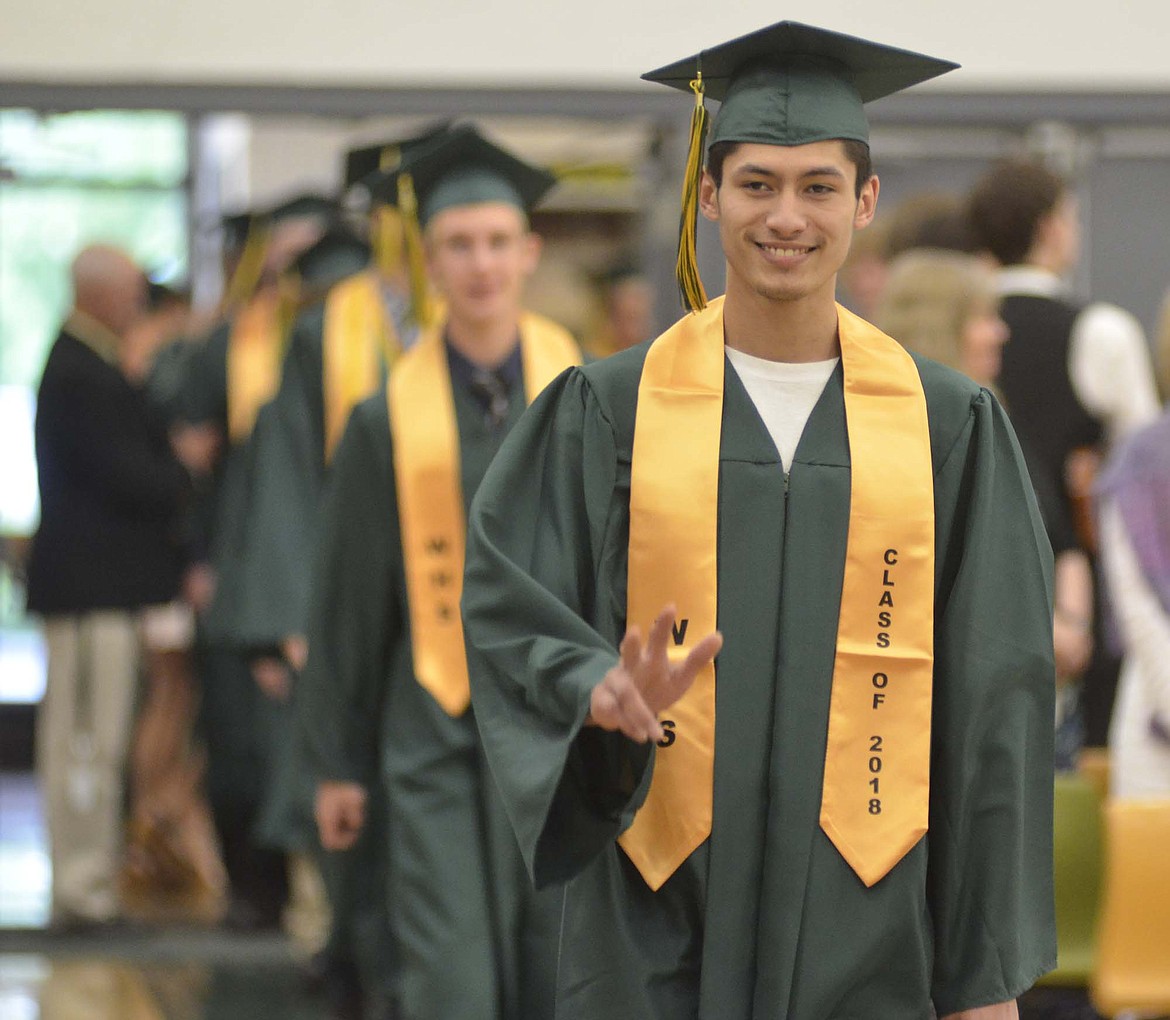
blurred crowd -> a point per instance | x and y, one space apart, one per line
184 459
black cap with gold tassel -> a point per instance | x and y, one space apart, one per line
787 84
250 265
686 267
421 306
370 162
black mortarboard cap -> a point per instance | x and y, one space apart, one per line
337 254
360 163
787 84
461 167
307 204
790 84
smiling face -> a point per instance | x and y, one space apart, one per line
786 217
479 257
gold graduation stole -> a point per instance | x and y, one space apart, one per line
430 494
875 795
255 349
359 339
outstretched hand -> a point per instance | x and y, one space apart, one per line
645 681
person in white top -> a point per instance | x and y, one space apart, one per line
1108 356
1026 217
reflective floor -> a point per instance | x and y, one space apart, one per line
152 973
125 973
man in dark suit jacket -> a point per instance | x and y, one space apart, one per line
111 488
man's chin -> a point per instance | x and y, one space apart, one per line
486 310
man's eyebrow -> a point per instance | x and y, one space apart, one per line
763 171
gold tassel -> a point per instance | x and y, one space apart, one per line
420 304
249 269
686 269
387 240
387 226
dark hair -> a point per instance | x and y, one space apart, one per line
856 152
1008 203
929 219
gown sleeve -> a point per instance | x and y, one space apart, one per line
990 865
538 530
354 612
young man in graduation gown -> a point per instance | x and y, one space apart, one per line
848 815
388 689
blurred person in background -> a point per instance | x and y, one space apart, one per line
173 869
224 383
930 219
1076 377
385 692
350 328
112 487
944 304
627 311
337 910
163 326
1135 552
338 353
863 275
1134 507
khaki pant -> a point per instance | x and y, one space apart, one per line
83 734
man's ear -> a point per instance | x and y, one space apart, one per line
709 197
867 203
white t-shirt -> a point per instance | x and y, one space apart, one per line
784 394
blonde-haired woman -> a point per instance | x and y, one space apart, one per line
943 304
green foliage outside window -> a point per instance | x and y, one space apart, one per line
67 180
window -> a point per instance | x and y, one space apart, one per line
66 180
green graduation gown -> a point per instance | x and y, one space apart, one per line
765 920
472 942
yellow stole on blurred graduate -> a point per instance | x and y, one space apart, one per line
876 784
255 350
359 344
430 494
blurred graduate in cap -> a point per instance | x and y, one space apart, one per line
626 314
352 321
223 381
847 813
387 678
338 351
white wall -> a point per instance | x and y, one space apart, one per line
1111 44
